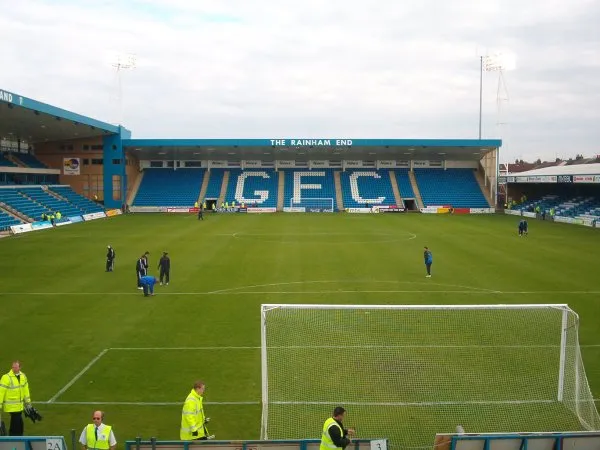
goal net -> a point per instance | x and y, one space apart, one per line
312 204
408 372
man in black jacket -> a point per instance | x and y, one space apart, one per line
140 268
110 259
334 433
164 265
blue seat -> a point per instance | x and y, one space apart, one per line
262 180
323 187
454 187
366 186
404 186
168 187
85 205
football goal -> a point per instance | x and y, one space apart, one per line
409 372
313 204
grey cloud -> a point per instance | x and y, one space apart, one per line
311 68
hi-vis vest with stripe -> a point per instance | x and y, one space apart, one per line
103 441
192 418
13 392
326 442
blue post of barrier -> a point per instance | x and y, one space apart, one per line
153 443
73 441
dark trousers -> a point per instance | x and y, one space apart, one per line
110 265
428 266
16 424
148 289
140 274
164 275
200 216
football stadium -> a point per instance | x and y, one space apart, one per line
298 284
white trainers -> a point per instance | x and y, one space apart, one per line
161 283
427 276
140 288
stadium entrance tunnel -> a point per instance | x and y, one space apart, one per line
410 204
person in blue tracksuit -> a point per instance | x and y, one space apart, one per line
148 282
521 227
428 261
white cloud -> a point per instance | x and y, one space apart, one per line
340 68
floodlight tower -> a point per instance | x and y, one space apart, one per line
495 63
498 63
125 62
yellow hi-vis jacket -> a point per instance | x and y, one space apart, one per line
103 441
326 441
192 418
14 392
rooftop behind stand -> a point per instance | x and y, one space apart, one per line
167 187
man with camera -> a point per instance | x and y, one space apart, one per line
14 398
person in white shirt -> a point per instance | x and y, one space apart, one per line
97 435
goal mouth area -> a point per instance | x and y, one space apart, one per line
407 372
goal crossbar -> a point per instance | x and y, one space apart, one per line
269 306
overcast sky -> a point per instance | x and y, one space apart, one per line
316 68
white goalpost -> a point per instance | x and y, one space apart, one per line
315 204
407 372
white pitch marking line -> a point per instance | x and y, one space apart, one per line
78 376
184 348
341 347
232 292
148 403
425 404
447 403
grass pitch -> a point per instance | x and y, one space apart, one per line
89 339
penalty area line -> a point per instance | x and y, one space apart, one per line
78 376
255 402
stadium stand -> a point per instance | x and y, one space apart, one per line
6 162
30 160
84 204
251 185
213 190
406 190
454 187
374 188
166 187
322 177
6 221
26 206
563 206
50 202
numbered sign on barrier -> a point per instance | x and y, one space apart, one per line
379 444
54 444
